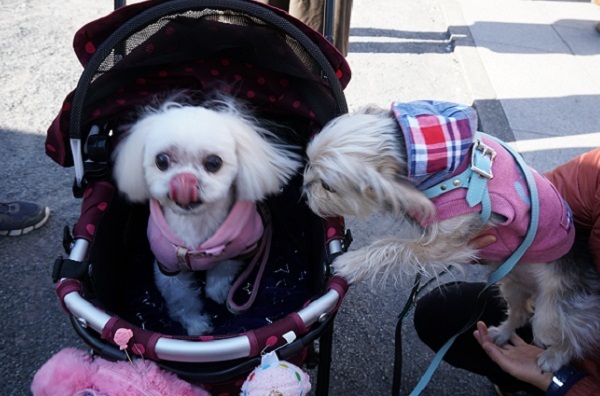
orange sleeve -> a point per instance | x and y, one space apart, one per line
578 183
588 386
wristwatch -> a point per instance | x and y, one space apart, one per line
563 379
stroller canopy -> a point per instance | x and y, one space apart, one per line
282 67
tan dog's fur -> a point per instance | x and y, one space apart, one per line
357 167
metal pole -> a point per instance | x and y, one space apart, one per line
328 19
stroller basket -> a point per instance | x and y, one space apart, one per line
287 72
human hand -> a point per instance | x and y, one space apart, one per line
517 357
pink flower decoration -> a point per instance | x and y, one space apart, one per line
122 337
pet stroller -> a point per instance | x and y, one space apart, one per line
289 74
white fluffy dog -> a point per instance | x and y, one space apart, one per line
198 165
361 164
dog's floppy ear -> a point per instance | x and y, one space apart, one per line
265 165
406 197
128 167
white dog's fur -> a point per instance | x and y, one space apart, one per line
231 156
357 167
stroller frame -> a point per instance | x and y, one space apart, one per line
91 323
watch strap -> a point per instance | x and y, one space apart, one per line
563 380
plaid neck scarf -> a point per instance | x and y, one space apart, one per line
438 137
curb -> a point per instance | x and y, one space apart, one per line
492 118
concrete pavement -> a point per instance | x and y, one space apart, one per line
539 60
530 68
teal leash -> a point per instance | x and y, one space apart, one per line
507 266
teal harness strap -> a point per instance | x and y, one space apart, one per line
474 179
495 276
506 267
461 180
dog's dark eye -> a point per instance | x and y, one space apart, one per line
213 163
163 161
326 187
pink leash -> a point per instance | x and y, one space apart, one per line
263 255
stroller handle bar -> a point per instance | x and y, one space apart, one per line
181 350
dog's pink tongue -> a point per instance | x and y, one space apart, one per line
184 188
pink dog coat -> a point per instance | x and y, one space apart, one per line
238 235
439 140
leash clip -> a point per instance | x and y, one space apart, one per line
482 159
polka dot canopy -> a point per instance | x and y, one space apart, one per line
198 51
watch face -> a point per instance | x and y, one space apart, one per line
557 381
563 379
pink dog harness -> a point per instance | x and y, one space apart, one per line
458 171
237 236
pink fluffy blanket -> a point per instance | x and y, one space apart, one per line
74 372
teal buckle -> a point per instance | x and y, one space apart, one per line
482 158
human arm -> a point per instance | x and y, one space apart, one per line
517 358
578 182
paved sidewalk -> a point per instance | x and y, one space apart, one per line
540 60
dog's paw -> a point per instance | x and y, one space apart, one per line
217 292
350 266
220 278
552 359
197 324
500 335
